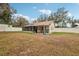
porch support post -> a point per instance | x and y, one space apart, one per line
32 28
44 29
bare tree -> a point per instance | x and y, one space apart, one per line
20 22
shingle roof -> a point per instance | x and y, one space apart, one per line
44 23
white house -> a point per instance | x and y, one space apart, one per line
40 27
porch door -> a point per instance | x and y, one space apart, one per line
40 29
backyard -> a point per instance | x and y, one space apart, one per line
32 44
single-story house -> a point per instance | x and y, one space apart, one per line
40 27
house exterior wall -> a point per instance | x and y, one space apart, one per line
51 27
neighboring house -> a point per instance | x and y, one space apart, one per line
76 25
40 27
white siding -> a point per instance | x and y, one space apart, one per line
51 27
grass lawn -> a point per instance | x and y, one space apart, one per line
25 43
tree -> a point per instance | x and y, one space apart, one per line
20 22
60 17
51 16
42 17
5 13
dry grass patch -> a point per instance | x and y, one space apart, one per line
23 43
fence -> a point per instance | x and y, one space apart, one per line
4 27
71 30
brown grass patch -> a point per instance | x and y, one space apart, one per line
38 44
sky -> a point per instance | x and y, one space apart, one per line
32 10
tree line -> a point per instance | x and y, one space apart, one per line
6 12
60 17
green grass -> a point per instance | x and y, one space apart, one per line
62 33
27 32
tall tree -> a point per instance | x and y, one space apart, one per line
42 17
61 14
20 22
5 13
60 17
51 16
